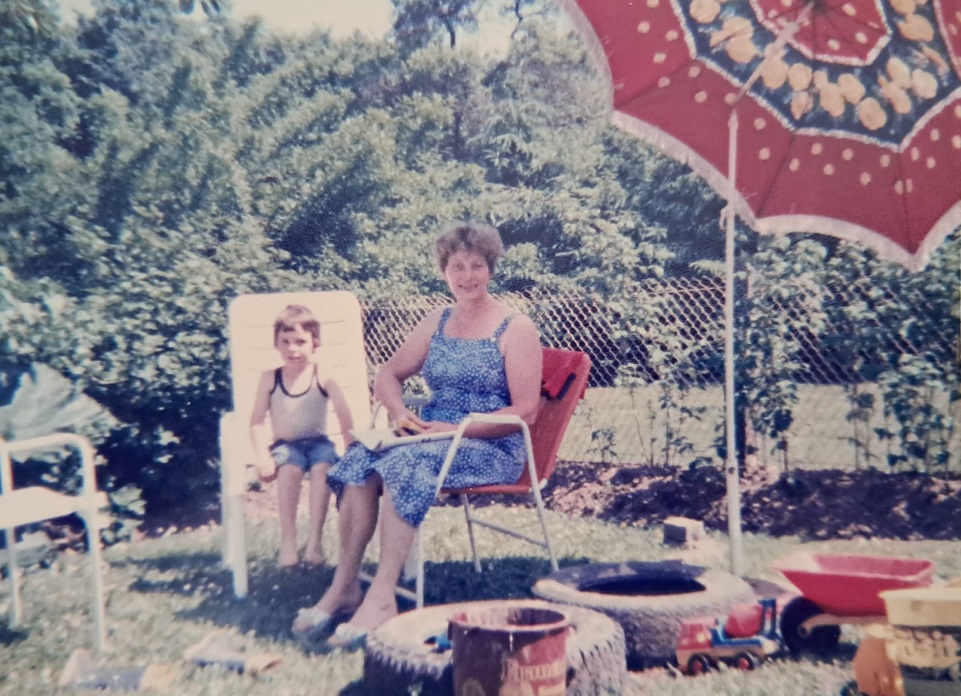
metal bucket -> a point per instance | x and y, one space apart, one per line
509 651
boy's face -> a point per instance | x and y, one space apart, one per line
295 345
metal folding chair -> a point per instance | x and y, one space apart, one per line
564 380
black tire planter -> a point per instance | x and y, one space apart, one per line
639 596
398 656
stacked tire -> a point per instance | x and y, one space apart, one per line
407 654
651 622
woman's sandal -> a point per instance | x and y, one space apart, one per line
347 638
312 622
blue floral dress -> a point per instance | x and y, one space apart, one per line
464 375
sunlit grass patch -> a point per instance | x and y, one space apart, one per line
165 594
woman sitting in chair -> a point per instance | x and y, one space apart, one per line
477 356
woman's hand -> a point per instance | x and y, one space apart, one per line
439 427
408 423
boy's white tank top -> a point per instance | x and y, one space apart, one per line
296 416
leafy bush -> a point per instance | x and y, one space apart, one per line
155 168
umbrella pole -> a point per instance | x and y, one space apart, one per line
731 473
730 465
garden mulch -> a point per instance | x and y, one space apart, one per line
811 504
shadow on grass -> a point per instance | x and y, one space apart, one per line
10 635
275 595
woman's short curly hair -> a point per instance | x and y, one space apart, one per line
475 237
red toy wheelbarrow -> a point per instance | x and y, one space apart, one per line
838 589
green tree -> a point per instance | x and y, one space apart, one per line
895 336
122 279
774 317
418 23
523 11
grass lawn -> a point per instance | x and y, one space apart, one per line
166 594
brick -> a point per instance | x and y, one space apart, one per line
682 530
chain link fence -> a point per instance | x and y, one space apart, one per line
656 389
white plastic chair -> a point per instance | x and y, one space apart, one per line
33 504
252 351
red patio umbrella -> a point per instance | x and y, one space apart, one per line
838 117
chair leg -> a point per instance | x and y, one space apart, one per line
411 563
232 524
535 491
96 578
16 605
226 516
233 487
419 581
465 503
236 542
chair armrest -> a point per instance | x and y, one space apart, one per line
52 441
493 418
480 418
233 468
415 403
40 500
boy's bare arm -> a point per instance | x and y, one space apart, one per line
341 409
266 470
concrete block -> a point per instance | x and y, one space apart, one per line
683 531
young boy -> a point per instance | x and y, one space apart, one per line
296 397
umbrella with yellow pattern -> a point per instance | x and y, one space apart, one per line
848 111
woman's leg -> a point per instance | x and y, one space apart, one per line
357 521
319 501
289 479
380 603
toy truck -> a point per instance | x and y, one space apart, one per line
743 639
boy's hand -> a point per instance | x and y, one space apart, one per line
266 471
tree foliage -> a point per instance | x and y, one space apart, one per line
419 23
158 161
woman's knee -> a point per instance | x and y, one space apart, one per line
368 490
375 484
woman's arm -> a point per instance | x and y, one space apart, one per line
405 362
523 361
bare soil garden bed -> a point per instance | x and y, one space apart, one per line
811 504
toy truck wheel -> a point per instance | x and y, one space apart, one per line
699 664
745 661
796 637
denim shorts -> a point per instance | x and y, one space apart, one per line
305 452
